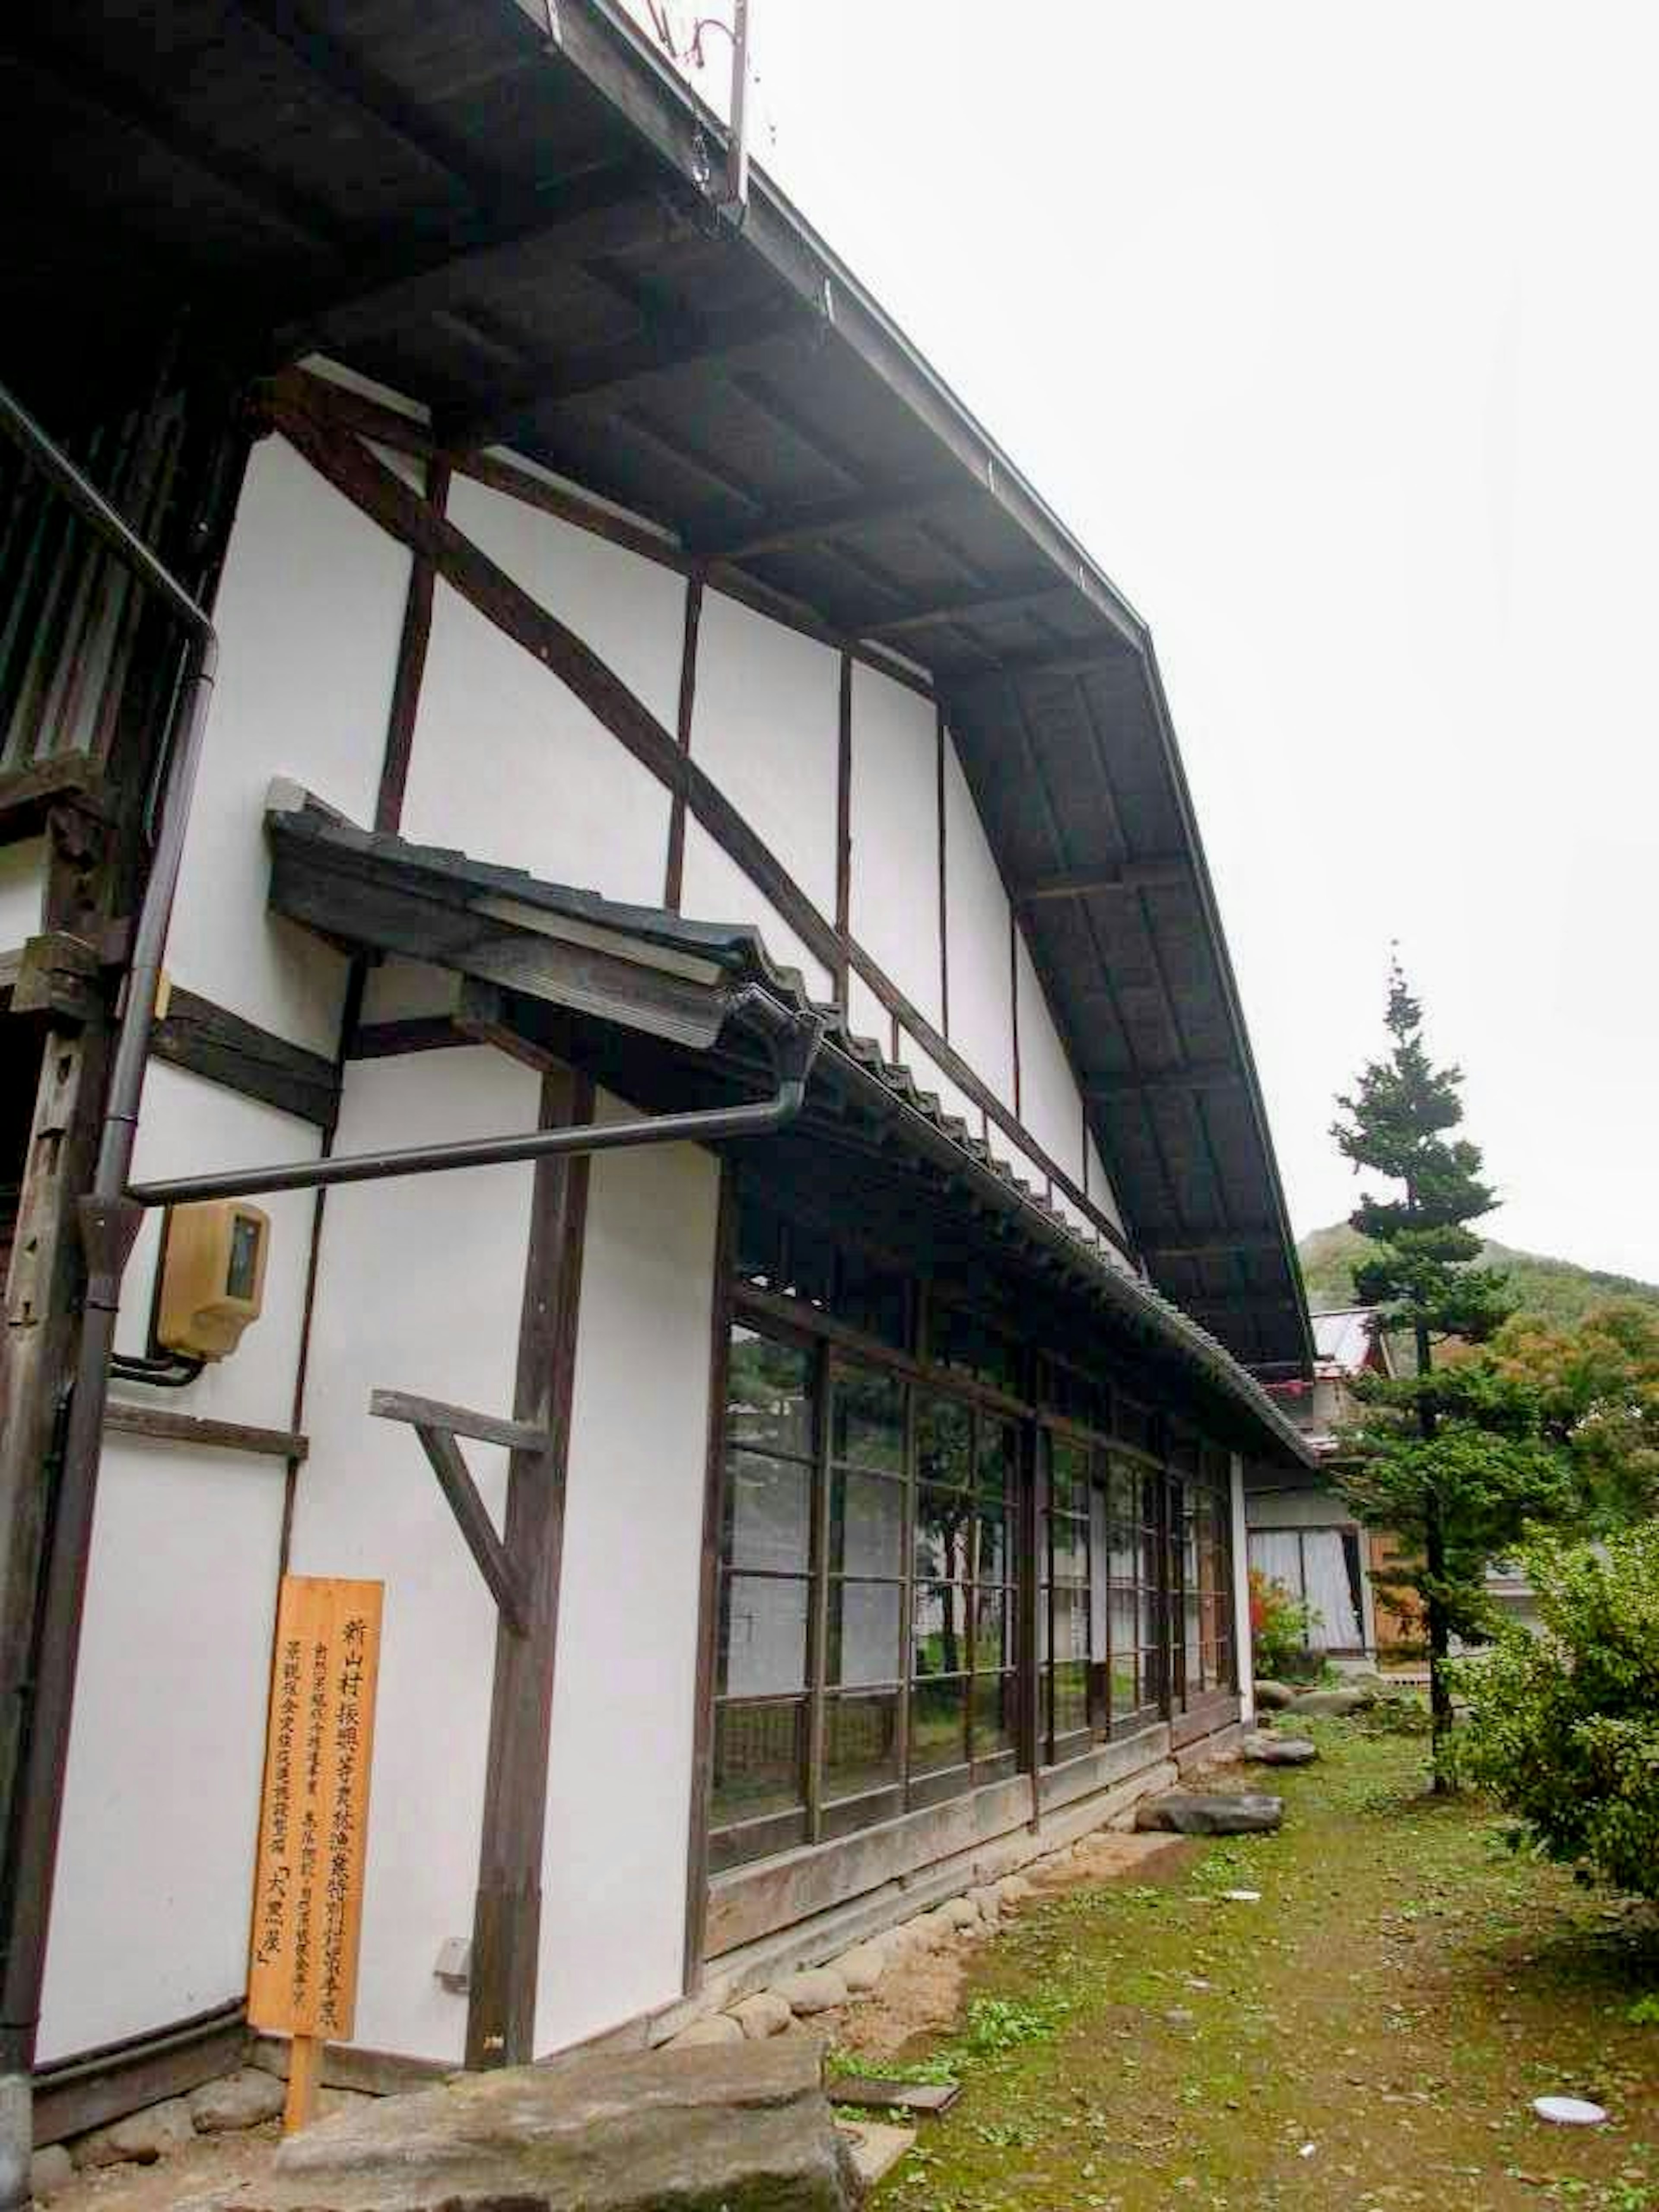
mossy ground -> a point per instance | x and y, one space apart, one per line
1403 1989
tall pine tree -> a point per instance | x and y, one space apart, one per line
1451 1463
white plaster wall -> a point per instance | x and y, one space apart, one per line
419 1288
1100 1193
766 726
150 1923
613 1910
894 907
156 1868
630 610
403 990
976 928
22 884
310 612
714 888
866 1016
1050 1103
507 764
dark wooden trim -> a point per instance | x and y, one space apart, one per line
1013 1003
500 2020
411 665
455 1421
844 827
1210 1243
943 739
714 1484
1124 876
122 1418
27 794
411 1033
785 528
773 1309
57 974
94 2086
567 502
212 1041
674 874
1196 1075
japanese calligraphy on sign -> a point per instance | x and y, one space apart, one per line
313 1816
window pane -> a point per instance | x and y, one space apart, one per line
993 1637
940 1629
1069 1540
944 1533
1122 1540
1068 1475
861 1744
945 1435
768 1512
867 1524
1070 1624
869 1424
769 1394
999 1457
995 1714
759 1758
763 1635
939 1724
863 1632
1070 1697
996 1545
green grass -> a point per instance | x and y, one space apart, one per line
1404 1989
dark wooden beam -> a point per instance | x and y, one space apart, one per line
1003 600
472 1518
1152 873
212 1041
506 1916
1210 1244
513 414
163 1427
1195 1075
785 527
1076 658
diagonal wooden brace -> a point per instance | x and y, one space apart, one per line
437 1425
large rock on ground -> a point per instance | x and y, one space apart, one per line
242 2099
745 2127
1279 1750
1332 1704
1198 1813
820 1988
142 2137
1272 1697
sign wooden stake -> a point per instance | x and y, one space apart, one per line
313 1824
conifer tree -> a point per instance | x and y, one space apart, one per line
1452 1462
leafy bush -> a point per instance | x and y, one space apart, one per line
1564 1728
1279 1628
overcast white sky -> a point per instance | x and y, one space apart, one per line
1333 333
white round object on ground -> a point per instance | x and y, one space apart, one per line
1568 2112
1241 1896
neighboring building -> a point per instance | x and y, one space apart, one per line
1301 1534
643 686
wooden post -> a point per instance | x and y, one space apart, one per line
304 2078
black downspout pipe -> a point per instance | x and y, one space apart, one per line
109 1221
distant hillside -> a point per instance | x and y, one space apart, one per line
1554 1289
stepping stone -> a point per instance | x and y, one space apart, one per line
1197 1812
1272 1697
876 2146
1280 1750
1333 1704
743 2124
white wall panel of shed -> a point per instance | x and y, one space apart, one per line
419 1288
894 908
22 884
1050 1103
310 612
175 1663
766 726
507 764
613 1877
715 889
977 931
1100 1193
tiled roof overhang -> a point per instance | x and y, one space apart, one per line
494 207
548 962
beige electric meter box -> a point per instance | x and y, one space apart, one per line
213 1276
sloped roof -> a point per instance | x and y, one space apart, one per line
1344 1338
385 893
498 208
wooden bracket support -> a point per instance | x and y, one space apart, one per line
437 1425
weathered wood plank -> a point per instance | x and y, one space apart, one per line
459 1420
472 1519
212 1041
163 1427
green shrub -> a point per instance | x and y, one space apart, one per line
1279 1628
1565 1725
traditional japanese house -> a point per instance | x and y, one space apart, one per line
644 705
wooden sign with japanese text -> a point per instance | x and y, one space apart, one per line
313 1815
